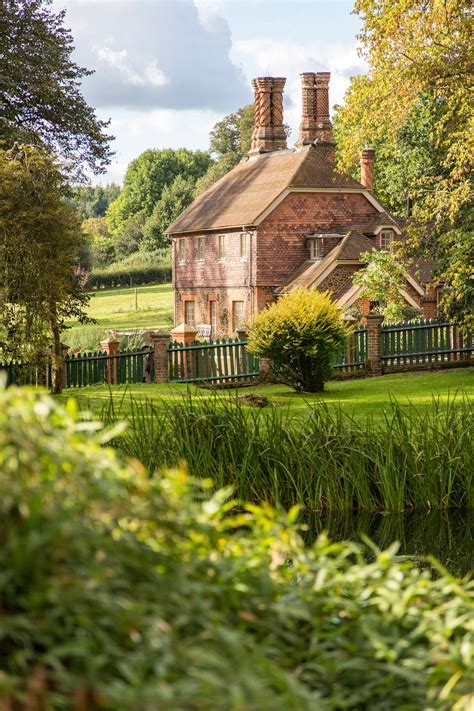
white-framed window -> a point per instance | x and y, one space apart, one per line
237 314
315 249
189 313
201 249
386 239
182 250
221 247
213 315
244 245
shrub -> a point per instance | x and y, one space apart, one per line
138 268
145 594
300 334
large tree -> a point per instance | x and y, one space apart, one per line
174 199
40 240
415 106
229 143
40 94
146 178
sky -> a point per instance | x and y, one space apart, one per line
165 71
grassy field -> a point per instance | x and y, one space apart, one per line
115 309
359 398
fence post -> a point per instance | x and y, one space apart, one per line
161 342
110 346
184 334
64 350
374 342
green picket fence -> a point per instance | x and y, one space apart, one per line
98 368
219 361
353 357
26 374
424 341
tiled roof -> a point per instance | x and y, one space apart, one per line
241 196
348 250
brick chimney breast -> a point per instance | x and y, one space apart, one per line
323 122
367 164
315 123
269 131
308 114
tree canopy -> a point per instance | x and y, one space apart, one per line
93 200
40 241
229 143
146 178
414 106
41 101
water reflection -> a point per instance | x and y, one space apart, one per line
449 536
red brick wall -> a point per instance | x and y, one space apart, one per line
232 271
280 237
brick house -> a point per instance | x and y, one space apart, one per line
282 218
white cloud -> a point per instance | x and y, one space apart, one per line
117 59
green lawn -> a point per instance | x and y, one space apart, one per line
360 397
115 309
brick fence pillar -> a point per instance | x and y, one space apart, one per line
64 350
184 334
374 342
161 342
110 346
429 303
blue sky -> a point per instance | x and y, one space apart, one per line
167 70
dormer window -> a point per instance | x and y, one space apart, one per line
386 239
315 249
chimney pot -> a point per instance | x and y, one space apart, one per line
269 131
367 163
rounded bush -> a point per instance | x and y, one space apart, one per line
300 334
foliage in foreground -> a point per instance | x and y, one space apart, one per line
152 596
300 334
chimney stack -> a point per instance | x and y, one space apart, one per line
269 132
367 162
315 122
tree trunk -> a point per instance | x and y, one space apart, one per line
57 358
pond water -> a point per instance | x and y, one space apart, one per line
449 536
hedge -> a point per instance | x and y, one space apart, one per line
106 278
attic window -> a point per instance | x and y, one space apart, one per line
386 239
315 249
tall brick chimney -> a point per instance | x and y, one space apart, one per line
367 163
269 132
323 122
315 122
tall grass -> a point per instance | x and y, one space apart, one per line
415 458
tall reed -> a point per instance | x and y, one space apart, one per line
325 461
